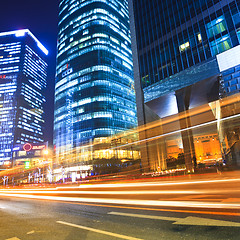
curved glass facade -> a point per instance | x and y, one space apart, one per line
94 93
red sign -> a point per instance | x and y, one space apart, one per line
27 147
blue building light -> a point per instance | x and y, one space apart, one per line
94 94
23 75
21 33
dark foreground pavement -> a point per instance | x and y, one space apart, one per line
40 220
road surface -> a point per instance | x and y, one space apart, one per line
199 207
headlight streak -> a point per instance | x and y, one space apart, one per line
128 184
149 184
188 204
105 192
174 132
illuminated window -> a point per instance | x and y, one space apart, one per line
199 37
216 26
220 45
184 47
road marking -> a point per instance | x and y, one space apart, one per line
14 238
194 221
99 231
144 216
28 233
188 204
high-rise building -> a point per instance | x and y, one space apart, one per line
185 54
179 43
23 73
94 93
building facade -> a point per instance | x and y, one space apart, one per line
94 93
181 41
23 74
186 53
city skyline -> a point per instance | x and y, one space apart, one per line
140 100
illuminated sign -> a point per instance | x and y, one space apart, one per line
27 147
229 59
38 147
2 76
16 148
27 165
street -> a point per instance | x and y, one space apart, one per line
196 207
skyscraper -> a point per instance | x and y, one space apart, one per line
94 93
180 43
185 54
23 73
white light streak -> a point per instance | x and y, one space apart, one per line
177 131
189 204
105 192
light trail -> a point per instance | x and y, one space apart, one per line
193 112
175 132
149 184
128 184
140 192
106 192
188 204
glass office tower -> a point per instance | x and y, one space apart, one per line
94 93
186 54
23 73
177 42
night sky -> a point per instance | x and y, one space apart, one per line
40 17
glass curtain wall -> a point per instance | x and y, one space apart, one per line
94 95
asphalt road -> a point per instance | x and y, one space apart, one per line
177 208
